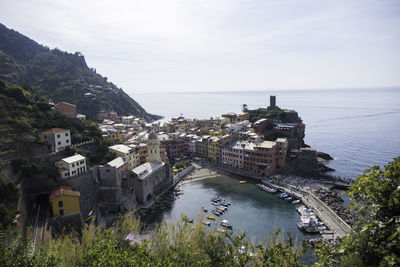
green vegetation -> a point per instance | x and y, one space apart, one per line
61 76
282 115
181 244
23 115
375 240
8 202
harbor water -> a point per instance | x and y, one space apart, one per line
252 210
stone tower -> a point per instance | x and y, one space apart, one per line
272 102
153 148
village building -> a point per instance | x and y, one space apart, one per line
64 201
66 109
152 178
71 166
57 138
130 152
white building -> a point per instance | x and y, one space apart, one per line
57 138
71 166
130 152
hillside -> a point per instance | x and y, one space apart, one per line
62 76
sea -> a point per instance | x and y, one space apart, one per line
357 127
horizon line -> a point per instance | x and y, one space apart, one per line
270 90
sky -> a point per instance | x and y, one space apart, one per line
225 45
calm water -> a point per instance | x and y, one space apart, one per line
252 209
359 128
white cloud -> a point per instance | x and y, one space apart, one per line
221 45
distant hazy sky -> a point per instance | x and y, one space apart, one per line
169 46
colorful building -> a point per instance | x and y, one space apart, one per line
64 201
66 109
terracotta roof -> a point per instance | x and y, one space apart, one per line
55 130
63 191
65 103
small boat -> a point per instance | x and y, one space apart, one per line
210 217
225 224
225 203
288 198
215 203
221 230
206 223
204 209
224 208
216 212
296 201
216 199
243 182
220 211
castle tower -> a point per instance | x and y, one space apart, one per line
153 148
272 101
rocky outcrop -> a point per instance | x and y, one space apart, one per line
324 156
334 201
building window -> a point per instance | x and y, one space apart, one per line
61 212
60 204
58 136
59 143
66 134
67 141
82 162
73 164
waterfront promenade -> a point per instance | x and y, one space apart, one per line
336 224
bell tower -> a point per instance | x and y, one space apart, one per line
153 148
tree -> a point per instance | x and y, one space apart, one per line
375 240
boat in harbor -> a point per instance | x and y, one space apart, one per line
225 224
289 198
225 203
243 182
215 203
216 199
204 209
206 223
216 212
220 211
223 208
296 201
210 217
282 195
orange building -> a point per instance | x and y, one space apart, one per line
66 109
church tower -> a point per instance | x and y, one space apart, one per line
153 148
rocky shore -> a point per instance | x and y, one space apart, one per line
334 201
163 202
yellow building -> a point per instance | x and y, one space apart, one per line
212 149
64 201
114 138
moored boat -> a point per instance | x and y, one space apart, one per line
206 223
296 201
243 182
225 224
204 209
210 217
216 212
